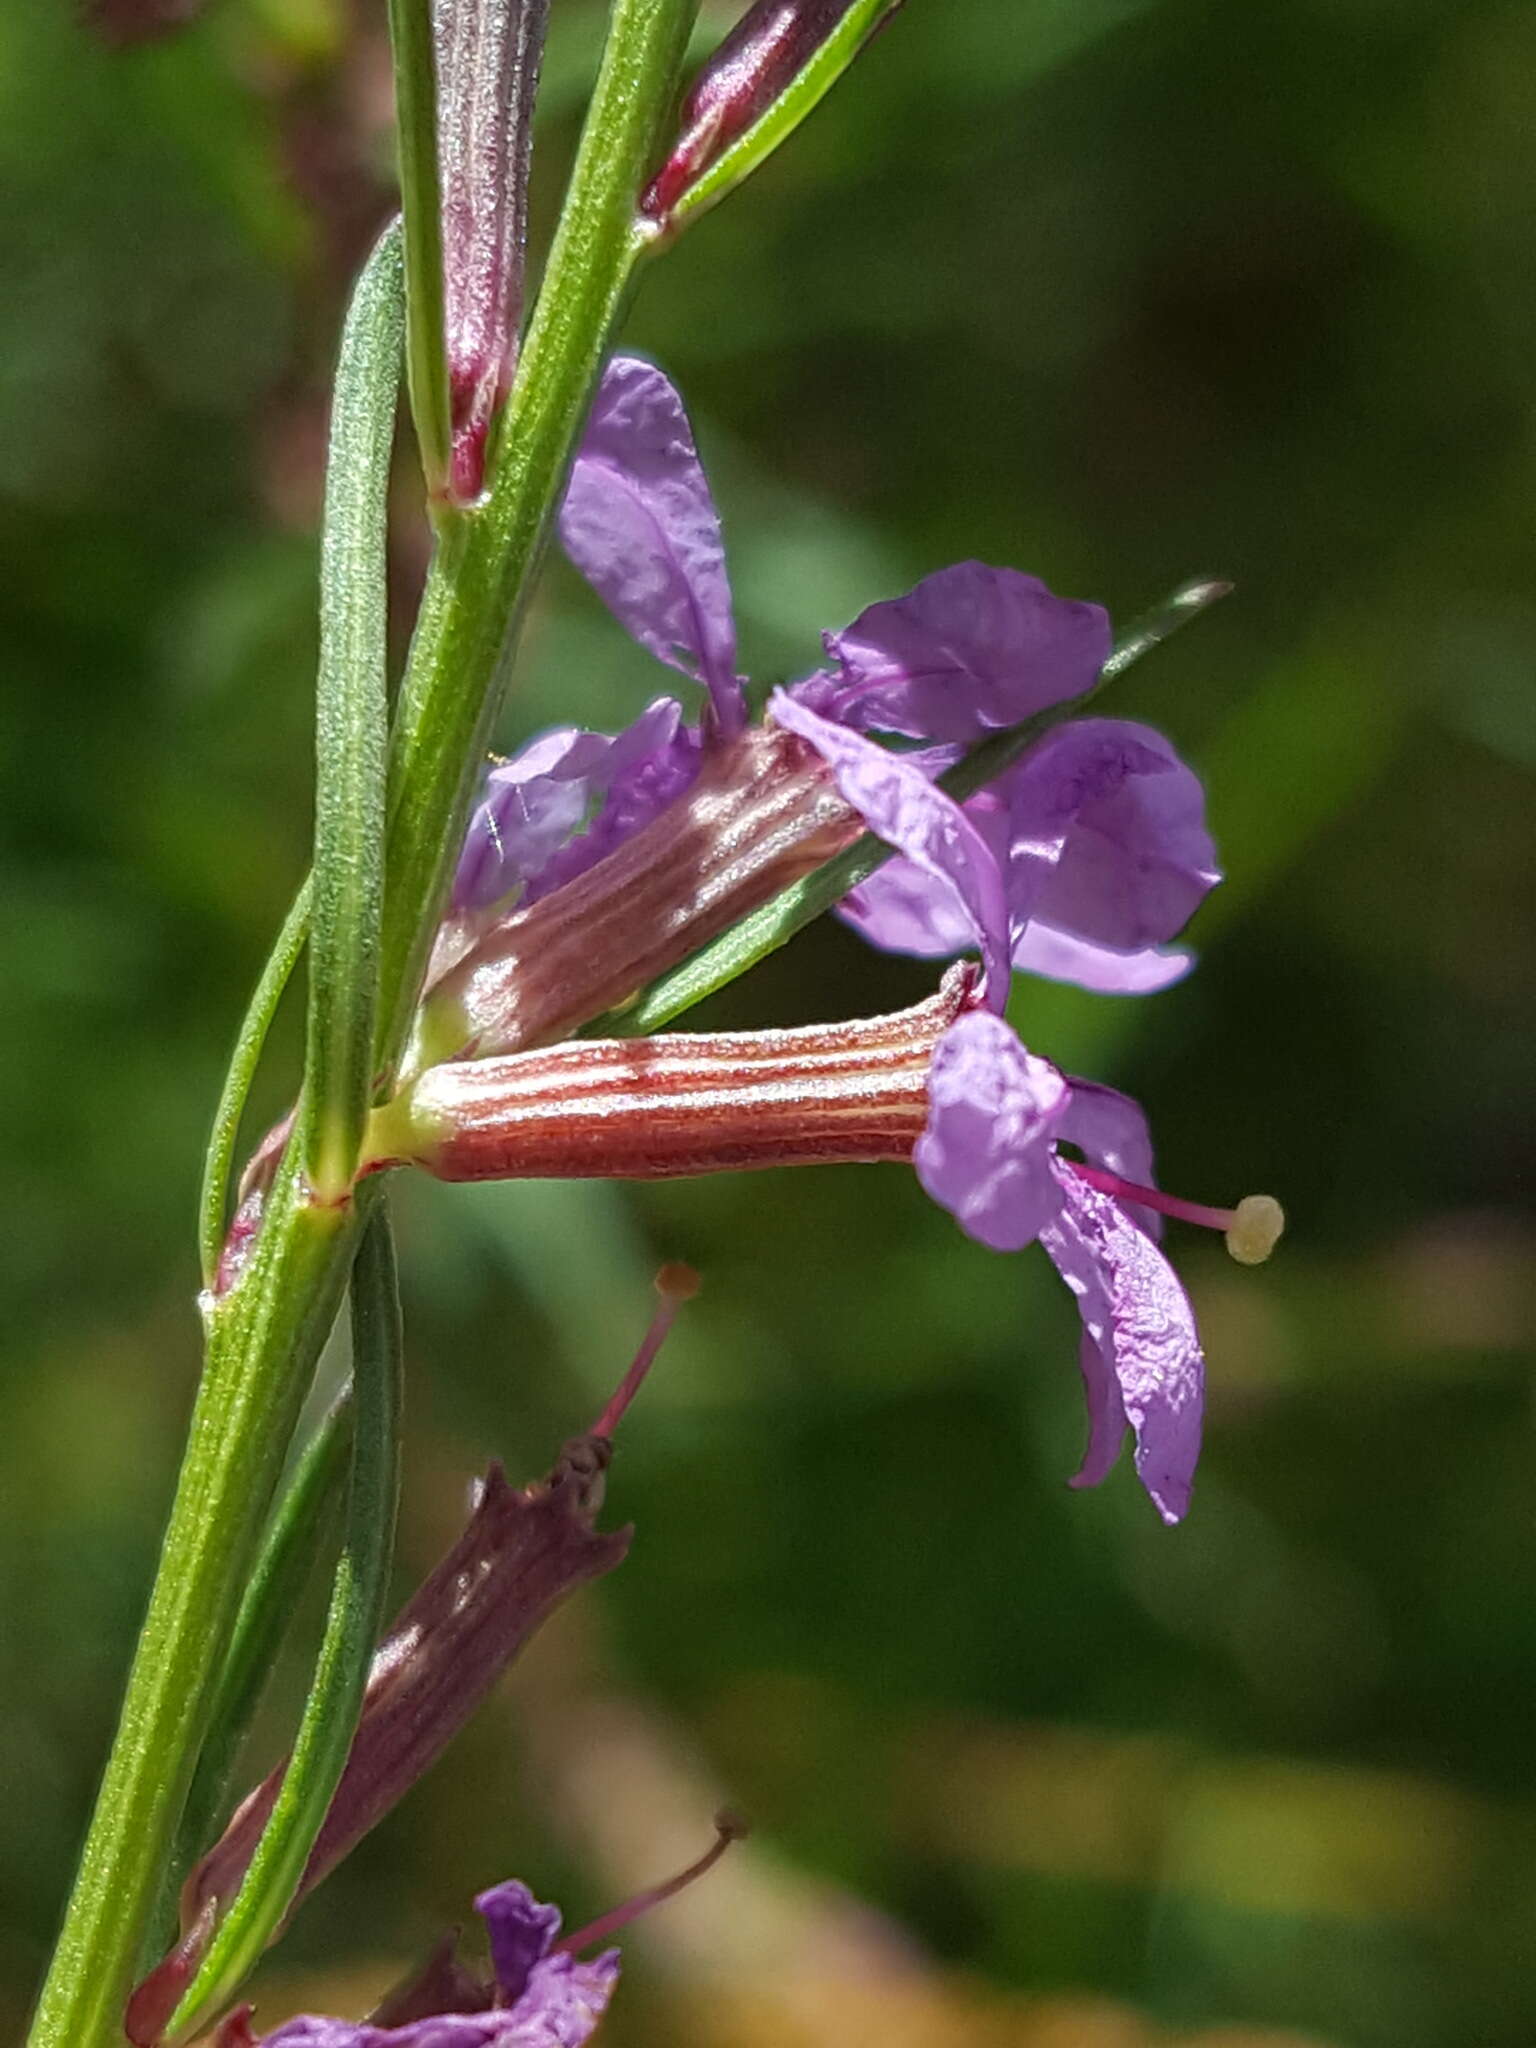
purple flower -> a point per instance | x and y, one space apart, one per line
997 1115
541 1997
968 650
1100 832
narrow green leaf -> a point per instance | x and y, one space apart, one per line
763 930
352 1629
287 1556
351 728
214 1202
426 347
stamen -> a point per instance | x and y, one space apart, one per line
729 1827
1251 1230
1257 1222
675 1283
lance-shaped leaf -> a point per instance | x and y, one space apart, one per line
351 728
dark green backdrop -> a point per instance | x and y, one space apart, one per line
1114 292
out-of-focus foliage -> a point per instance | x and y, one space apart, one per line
1114 292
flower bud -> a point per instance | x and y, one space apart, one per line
488 54
754 65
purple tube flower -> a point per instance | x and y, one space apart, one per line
970 649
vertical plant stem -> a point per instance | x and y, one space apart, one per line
263 1339
292 1538
353 1623
264 1336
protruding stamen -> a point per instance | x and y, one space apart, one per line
1251 1230
1255 1229
675 1283
729 1827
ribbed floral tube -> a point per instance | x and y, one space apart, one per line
682 1103
763 812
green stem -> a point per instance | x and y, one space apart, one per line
265 1335
352 1627
263 1339
292 1538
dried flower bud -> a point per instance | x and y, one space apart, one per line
520 1554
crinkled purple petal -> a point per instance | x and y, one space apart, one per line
549 2001
1107 836
1139 1321
564 2001
968 650
1058 956
1111 1130
444 2030
640 524
535 803
902 909
522 1932
993 1110
899 803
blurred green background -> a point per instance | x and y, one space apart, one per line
1112 290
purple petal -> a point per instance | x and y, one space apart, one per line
444 2030
645 781
905 910
985 1155
536 803
1106 1413
522 1932
1110 1130
557 2001
1058 956
968 650
640 524
899 803
1108 839
1138 1319
564 2001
